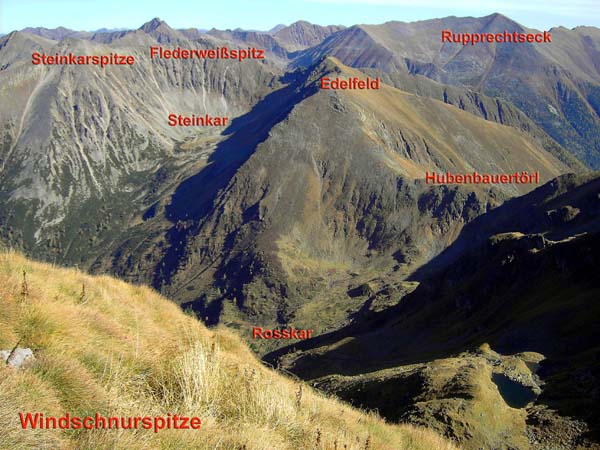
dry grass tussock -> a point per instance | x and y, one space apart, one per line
105 346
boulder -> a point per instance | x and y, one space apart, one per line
18 358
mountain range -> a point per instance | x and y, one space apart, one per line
311 208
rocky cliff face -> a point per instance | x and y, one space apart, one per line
82 144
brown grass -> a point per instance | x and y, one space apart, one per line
124 350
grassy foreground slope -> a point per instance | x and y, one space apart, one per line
105 346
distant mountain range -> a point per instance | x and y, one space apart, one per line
311 208
563 99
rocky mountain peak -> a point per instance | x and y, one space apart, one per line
498 22
153 25
277 28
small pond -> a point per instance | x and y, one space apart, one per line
514 394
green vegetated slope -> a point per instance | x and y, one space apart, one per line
555 84
104 346
499 345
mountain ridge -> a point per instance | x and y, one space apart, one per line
256 211
564 104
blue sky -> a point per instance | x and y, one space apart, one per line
265 14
